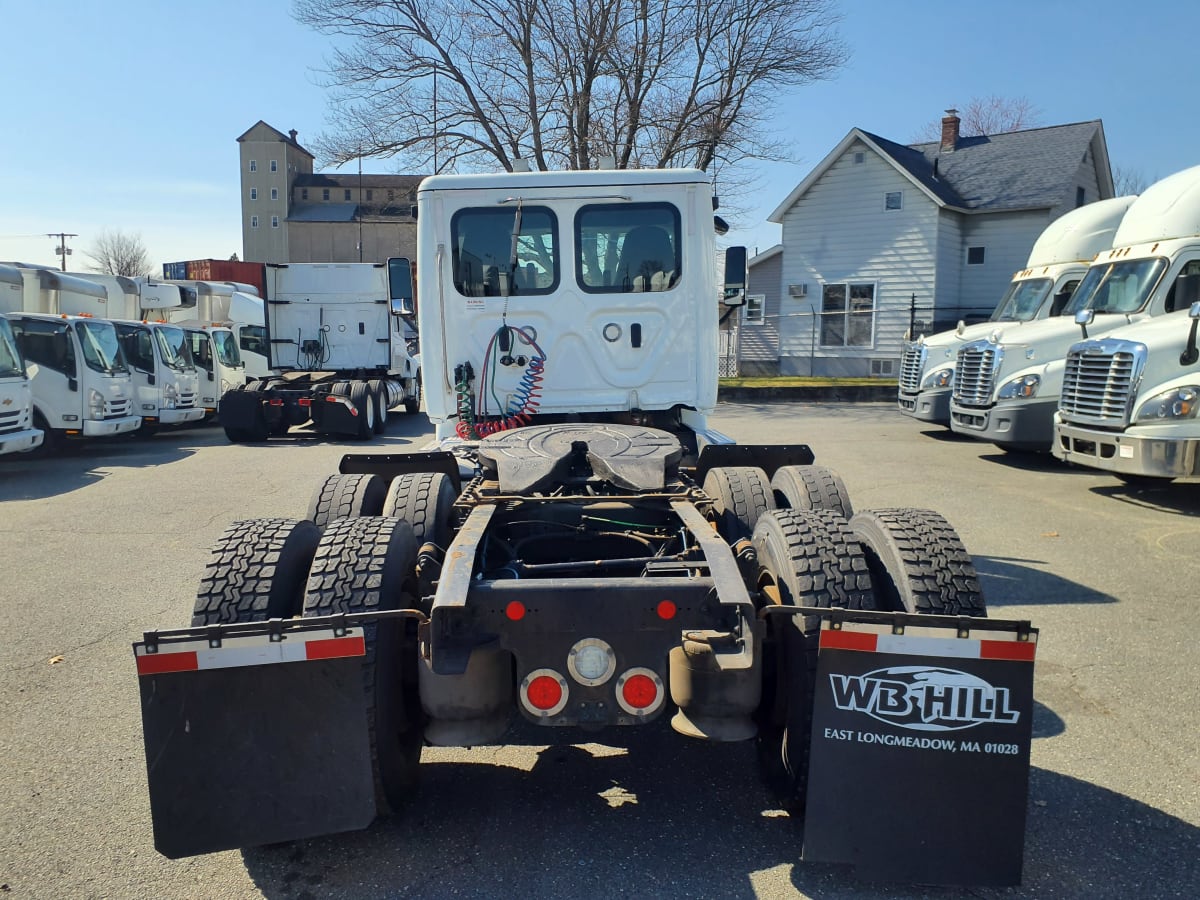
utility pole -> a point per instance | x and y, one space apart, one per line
62 249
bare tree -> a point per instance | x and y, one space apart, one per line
1127 182
119 253
468 84
987 115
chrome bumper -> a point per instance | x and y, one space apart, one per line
1127 454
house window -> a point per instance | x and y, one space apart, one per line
253 193
274 166
369 193
858 158
303 193
325 193
254 221
253 166
754 312
893 200
1080 196
848 315
274 193
274 221
347 193
391 195
975 256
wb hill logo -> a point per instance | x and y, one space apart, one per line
923 698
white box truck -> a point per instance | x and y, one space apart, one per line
81 385
342 355
165 380
236 307
17 433
1007 386
1129 399
1056 265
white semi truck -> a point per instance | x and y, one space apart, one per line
165 380
1057 263
1129 399
81 384
1007 386
580 549
341 355
17 433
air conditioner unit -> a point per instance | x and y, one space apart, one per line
798 290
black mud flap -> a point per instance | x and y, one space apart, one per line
254 741
240 410
919 769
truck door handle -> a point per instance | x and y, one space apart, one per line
635 335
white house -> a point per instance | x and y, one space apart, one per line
881 234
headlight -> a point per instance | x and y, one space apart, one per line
939 378
1023 387
226 386
1179 403
170 394
95 404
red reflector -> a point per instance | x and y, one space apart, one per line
304 401
157 663
275 401
515 610
332 648
848 640
331 398
1019 650
639 691
666 610
544 692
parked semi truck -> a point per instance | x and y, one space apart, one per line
17 432
340 352
580 549
164 377
1007 386
81 385
1057 262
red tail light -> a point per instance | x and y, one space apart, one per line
640 691
544 692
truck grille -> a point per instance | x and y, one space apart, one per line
912 367
975 373
187 400
10 421
116 409
1100 381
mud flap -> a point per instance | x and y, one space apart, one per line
919 765
255 740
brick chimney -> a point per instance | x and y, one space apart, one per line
950 131
292 134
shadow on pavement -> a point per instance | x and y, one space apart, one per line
1005 580
1181 498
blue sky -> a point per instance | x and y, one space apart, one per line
124 114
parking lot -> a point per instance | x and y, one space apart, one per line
110 540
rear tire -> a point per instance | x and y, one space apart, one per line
426 501
347 496
741 494
806 558
413 404
918 563
363 399
256 572
366 565
380 390
811 487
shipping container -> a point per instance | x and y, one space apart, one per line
227 270
175 271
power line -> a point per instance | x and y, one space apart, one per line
62 249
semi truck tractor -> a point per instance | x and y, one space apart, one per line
17 434
579 551
1129 399
1007 385
81 384
340 353
1056 264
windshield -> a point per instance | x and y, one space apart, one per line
10 359
227 348
101 351
172 346
1023 300
1120 287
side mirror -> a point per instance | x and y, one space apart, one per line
735 277
1085 317
211 377
1194 311
150 378
400 287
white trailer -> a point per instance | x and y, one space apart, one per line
1056 265
1007 386
341 354
81 384
17 434
238 308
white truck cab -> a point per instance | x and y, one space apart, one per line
81 384
577 296
1007 386
217 306
17 434
1056 265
